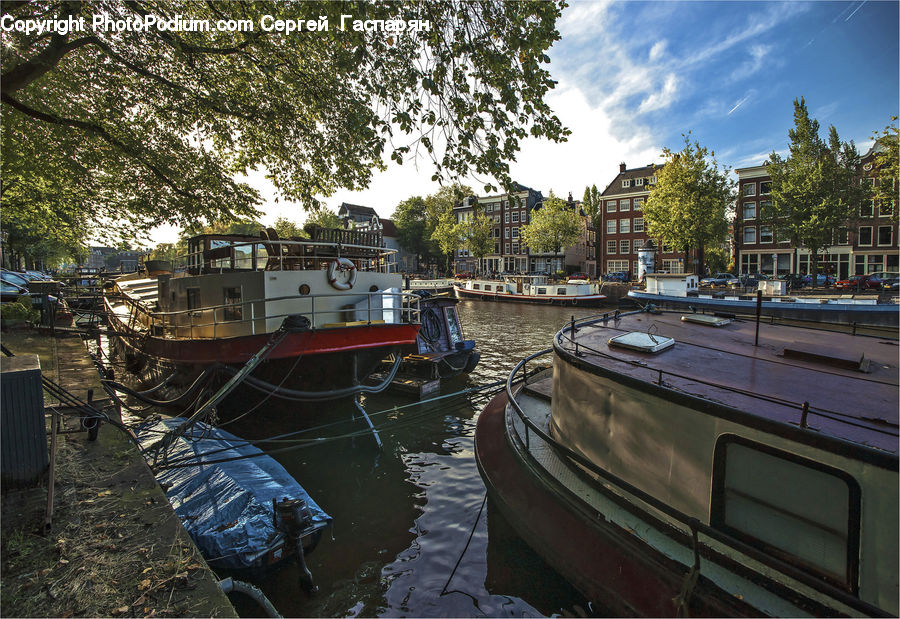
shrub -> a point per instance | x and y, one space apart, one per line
20 309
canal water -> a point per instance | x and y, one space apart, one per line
413 534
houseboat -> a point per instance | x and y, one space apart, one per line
682 291
441 351
673 464
303 316
531 289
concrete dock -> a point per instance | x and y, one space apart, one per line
115 547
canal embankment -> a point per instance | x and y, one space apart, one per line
114 546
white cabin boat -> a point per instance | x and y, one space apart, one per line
531 289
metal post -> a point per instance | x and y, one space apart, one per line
48 515
804 414
758 312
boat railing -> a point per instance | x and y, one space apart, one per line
249 317
612 484
282 255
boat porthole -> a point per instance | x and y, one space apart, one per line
304 289
373 288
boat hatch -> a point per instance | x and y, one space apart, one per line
807 351
642 341
706 319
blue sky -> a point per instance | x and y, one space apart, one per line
633 76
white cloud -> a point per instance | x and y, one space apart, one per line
662 98
657 51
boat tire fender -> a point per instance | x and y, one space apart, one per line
342 264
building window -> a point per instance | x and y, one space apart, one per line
614 266
765 234
515 248
638 204
193 298
506 248
233 309
610 226
811 516
885 235
506 233
842 237
765 188
626 182
624 246
624 226
749 189
639 182
868 209
865 235
653 180
667 247
515 232
886 208
750 234
638 224
749 210
764 205
611 206
506 217
673 266
496 248
610 247
638 244
496 219
515 217
624 205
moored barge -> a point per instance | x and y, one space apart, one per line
673 464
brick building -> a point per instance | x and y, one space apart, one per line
868 243
622 230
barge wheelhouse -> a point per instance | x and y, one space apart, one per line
672 464
531 289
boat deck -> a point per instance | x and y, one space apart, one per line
850 382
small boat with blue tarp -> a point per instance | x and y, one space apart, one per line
242 508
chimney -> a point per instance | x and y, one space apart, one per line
621 167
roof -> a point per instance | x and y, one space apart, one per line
356 209
388 228
722 366
615 187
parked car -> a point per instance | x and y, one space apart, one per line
859 282
9 292
821 280
19 279
749 280
579 275
719 279
889 279
617 276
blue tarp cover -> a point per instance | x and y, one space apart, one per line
226 507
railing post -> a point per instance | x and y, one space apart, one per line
253 318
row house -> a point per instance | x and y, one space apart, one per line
509 211
622 232
868 244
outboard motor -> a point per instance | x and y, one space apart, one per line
292 517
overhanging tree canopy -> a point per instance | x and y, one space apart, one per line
151 126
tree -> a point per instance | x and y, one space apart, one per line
887 160
149 125
414 229
478 235
687 206
287 228
590 204
324 218
448 234
553 227
815 189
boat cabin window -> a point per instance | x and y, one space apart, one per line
454 330
487 286
542 291
476 286
233 309
220 263
193 298
561 291
798 510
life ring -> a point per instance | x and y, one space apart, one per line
342 264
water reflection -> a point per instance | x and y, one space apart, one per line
412 534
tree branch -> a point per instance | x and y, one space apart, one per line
101 133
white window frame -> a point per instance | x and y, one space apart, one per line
624 246
744 206
638 224
515 232
611 247
624 205
506 248
515 217
748 190
506 217
624 226
638 204
626 182
878 239
762 189
637 244
611 226
744 235
505 233
639 182
859 236
515 248
763 234
611 206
